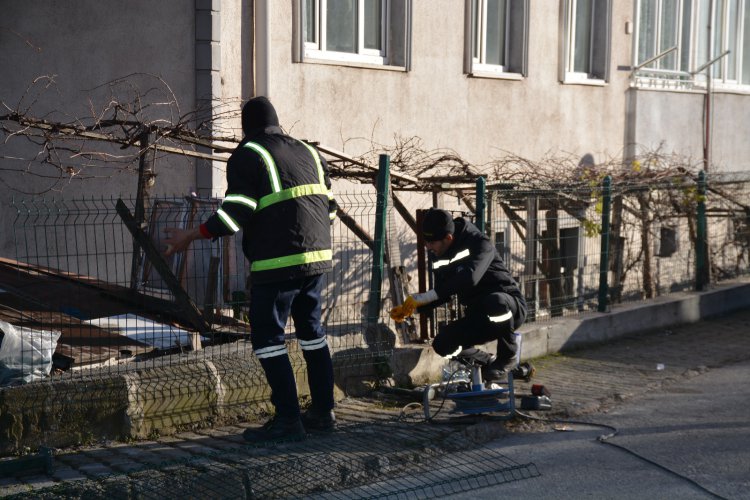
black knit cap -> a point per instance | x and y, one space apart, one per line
437 224
257 114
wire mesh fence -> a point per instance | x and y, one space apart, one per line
380 459
551 240
83 299
91 307
77 270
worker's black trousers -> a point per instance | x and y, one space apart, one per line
270 307
480 325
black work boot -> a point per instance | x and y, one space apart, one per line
317 420
497 370
277 430
473 356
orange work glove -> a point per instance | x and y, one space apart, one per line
403 311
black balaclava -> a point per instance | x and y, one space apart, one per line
257 114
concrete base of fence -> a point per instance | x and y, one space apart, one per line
568 334
215 387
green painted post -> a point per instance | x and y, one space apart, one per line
481 203
701 237
604 260
376 282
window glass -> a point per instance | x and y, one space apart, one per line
647 30
310 28
668 33
341 25
733 43
703 15
746 46
718 27
582 40
495 30
685 42
373 24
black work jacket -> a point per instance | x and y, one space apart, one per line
472 270
285 218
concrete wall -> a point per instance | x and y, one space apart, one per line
82 45
208 47
477 117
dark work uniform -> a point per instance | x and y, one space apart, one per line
279 194
494 306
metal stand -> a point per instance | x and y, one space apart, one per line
483 400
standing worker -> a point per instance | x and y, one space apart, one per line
467 265
279 194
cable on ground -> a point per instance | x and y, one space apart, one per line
605 439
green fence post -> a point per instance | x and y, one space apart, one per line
376 282
604 261
701 238
481 203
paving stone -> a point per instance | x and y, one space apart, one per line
127 466
39 481
67 474
74 459
202 447
95 470
174 454
13 487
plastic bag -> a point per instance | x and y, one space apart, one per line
25 354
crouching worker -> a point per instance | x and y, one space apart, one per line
466 264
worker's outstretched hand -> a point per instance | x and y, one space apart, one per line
403 311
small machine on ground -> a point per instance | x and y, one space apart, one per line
464 385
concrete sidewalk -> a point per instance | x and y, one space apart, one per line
589 376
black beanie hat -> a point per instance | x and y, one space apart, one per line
437 224
257 114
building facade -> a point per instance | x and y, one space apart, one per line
481 77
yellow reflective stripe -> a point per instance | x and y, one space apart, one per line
238 198
227 220
313 152
330 194
288 194
332 215
273 173
291 260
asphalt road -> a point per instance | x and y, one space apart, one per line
688 441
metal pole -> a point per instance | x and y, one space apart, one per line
424 327
383 183
142 201
701 237
604 260
481 203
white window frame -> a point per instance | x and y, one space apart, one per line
515 42
479 63
569 75
659 64
316 49
656 76
736 46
